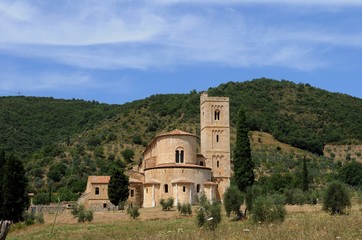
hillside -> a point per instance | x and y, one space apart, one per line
63 141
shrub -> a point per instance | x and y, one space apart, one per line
233 198
133 212
166 204
184 209
208 215
82 214
336 198
267 209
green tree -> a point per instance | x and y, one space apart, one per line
2 163
233 198
243 164
15 198
208 215
128 155
118 187
305 176
336 198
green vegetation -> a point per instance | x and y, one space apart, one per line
13 185
336 198
184 208
118 187
267 209
64 141
82 214
243 163
208 214
166 204
133 211
233 199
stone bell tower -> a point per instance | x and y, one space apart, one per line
215 138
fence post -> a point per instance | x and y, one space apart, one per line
4 229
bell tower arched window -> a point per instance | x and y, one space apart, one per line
166 188
217 114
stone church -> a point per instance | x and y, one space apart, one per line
172 166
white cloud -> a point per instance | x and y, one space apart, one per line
124 34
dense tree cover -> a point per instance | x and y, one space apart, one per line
88 138
298 114
243 163
40 122
233 199
118 187
14 198
351 173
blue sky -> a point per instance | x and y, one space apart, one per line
116 51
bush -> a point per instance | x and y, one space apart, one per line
184 209
82 214
233 198
267 209
336 198
133 212
166 205
208 215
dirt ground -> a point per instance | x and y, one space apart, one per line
152 214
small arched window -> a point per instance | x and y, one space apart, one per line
198 188
217 138
96 191
182 156
177 156
201 163
217 114
217 163
166 188
132 193
184 189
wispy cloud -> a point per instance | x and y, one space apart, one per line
157 34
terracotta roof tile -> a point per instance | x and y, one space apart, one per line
99 179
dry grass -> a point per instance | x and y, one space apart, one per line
306 222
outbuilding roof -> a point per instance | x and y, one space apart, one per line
99 179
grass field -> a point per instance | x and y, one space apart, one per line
306 222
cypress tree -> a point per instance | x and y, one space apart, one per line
118 187
243 164
15 198
2 163
305 177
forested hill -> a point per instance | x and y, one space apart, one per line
30 123
298 114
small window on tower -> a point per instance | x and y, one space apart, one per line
132 193
217 138
166 188
97 190
177 156
184 189
201 163
198 188
217 164
182 156
217 114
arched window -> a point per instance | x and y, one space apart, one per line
177 156
166 188
217 114
182 156
184 189
96 191
198 188
217 138
132 193
201 163
217 163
